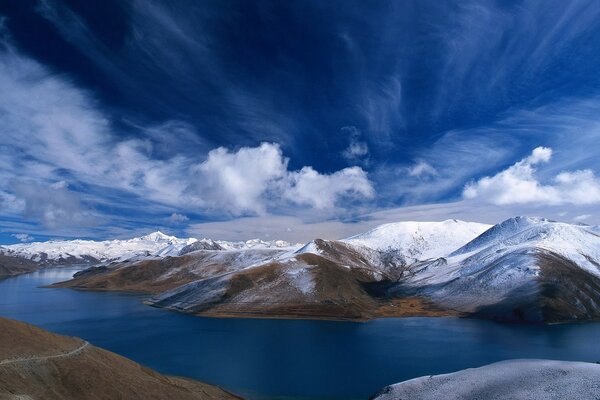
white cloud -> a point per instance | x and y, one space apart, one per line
357 149
519 184
422 169
248 180
582 217
23 237
52 129
321 191
238 181
177 219
54 206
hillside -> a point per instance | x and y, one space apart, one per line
507 380
523 269
36 364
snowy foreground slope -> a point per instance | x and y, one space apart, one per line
507 380
524 268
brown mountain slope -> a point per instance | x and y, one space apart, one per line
332 284
36 364
11 266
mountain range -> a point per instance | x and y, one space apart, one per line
523 269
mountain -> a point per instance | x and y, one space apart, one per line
322 279
57 252
523 269
153 245
36 364
506 380
419 240
11 265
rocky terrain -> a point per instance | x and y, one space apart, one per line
11 265
523 269
507 380
36 364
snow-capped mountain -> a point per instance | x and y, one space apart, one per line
156 244
420 240
523 268
153 245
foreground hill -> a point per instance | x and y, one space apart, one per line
523 269
36 364
507 380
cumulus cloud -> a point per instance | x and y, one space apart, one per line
321 191
238 181
357 149
248 180
23 237
67 134
519 184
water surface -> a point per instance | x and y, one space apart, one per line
284 359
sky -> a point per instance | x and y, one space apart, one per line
294 119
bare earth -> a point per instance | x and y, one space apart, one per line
36 364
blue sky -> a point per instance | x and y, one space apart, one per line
295 119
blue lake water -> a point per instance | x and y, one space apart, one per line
285 359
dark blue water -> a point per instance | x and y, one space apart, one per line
269 359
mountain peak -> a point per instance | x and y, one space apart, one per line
157 236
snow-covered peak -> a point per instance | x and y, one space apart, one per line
158 236
578 243
523 229
156 244
420 240
256 244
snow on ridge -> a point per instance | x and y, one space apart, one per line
256 244
420 240
155 244
579 243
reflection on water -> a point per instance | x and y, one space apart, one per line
265 359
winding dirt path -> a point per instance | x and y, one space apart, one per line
41 358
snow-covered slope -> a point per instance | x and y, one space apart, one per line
156 244
577 243
536 268
256 244
506 380
420 240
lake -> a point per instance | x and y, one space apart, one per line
284 359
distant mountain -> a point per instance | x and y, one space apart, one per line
153 245
56 252
527 269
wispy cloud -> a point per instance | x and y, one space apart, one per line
357 150
23 237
